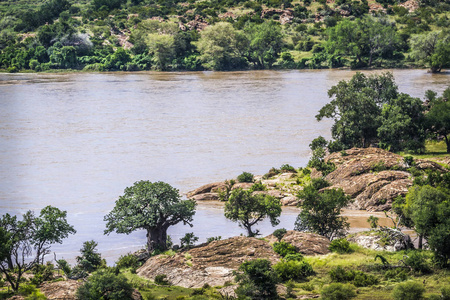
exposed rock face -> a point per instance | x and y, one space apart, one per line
305 243
212 263
61 289
385 239
372 176
198 23
286 15
207 188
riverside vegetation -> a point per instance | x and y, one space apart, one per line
132 35
277 266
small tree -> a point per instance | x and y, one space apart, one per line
188 240
105 284
90 260
257 280
25 243
321 212
248 209
150 206
438 118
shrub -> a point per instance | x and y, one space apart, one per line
272 172
339 274
340 246
409 290
358 278
214 238
258 186
288 168
127 261
396 275
245 177
293 257
42 273
64 266
373 221
338 291
188 240
257 280
293 270
279 233
409 161
445 293
105 284
417 260
162 279
90 260
283 248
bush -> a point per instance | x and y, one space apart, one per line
283 248
105 284
358 278
396 275
162 279
245 177
338 291
293 270
258 186
272 172
279 233
214 238
127 261
445 293
257 280
188 240
288 168
417 260
340 246
409 290
90 260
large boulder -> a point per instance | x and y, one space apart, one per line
213 263
207 188
373 177
305 243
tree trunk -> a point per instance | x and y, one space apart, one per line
447 142
156 238
420 245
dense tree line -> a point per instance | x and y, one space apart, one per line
60 34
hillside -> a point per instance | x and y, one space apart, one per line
194 35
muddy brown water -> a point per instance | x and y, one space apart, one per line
77 140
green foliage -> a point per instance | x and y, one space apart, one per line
293 269
188 240
317 159
283 248
438 120
212 239
433 48
245 177
162 279
338 291
409 290
257 280
64 266
373 222
150 206
30 237
279 233
42 273
417 261
128 261
321 211
248 209
397 274
105 284
258 186
340 246
357 278
90 260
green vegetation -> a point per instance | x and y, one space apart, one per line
150 206
248 209
257 280
105 284
30 237
321 212
99 35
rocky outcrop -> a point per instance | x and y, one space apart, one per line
383 239
373 177
286 15
212 263
305 243
198 24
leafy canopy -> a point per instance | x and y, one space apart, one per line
248 209
152 207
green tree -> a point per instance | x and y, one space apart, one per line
429 209
321 212
433 48
257 280
106 285
222 47
161 47
24 243
248 209
153 207
403 124
90 260
438 117
266 42
356 106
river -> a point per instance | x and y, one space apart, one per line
75 141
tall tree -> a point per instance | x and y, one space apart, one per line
153 207
438 117
433 48
248 208
24 243
356 106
